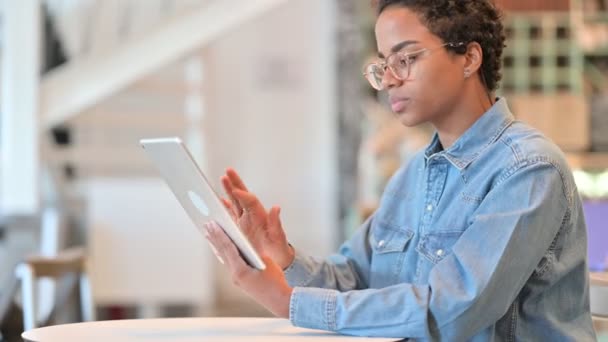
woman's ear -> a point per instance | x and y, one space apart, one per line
473 59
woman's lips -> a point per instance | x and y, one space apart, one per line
399 105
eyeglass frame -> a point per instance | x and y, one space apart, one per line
384 66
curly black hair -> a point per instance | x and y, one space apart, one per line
463 21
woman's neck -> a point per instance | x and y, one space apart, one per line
463 115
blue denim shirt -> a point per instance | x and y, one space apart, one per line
484 241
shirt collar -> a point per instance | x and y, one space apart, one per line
486 130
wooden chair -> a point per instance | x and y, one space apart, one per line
70 261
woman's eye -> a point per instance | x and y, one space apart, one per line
411 58
404 61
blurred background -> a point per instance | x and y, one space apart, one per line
272 88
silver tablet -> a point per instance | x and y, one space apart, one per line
195 193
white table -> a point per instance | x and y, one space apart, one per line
599 278
185 329
598 294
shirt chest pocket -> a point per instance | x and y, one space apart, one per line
437 245
388 253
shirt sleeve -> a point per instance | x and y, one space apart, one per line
347 270
469 289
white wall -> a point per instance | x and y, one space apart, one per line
271 115
143 248
19 107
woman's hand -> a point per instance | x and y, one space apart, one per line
264 229
268 287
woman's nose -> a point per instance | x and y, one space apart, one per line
389 80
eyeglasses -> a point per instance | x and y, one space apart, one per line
399 63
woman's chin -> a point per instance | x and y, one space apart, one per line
408 119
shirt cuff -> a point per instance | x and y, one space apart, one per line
298 273
313 308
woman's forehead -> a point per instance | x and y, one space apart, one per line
396 25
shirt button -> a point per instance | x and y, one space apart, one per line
429 207
381 243
439 252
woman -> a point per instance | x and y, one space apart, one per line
480 237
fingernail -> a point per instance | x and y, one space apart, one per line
217 255
215 252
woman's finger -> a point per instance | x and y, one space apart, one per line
230 192
215 251
274 219
227 249
214 239
228 205
236 180
247 200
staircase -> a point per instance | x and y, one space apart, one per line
102 109
160 40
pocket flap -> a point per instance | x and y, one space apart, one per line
386 239
437 245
